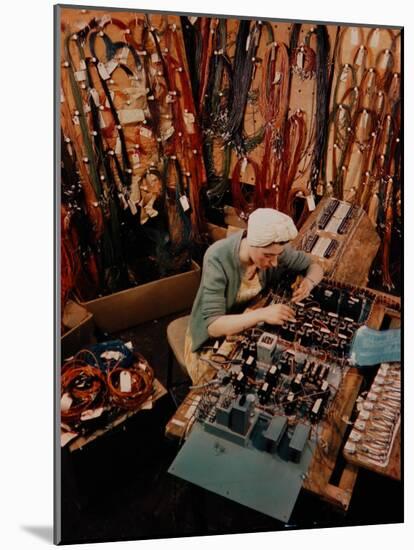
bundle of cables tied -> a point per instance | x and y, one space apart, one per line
83 388
138 385
92 381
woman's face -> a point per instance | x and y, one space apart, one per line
263 258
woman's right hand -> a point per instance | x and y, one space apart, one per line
277 314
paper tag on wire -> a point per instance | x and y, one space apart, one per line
111 66
146 132
299 60
344 74
65 402
107 104
95 96
311 202
125 382
123 56
155 57
132 207
102 122
82 65
135 159
184 203
131 116
243 166
278 77
248 43
80 76
62 96
355 36
192 19
166 134
103 72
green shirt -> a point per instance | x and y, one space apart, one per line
220 282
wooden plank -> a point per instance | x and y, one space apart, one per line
393 468
333 429
81 441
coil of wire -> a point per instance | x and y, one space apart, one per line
86 388
141 386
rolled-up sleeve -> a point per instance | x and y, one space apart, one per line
214 290
296 260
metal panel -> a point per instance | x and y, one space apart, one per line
257 479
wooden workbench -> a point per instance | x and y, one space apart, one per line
330 441
80 441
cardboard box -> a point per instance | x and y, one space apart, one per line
82 332
128 308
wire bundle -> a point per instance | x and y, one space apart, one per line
86 387
142 378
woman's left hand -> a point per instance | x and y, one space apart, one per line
302 291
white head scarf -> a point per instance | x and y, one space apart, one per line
267 226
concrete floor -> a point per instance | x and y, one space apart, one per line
118 488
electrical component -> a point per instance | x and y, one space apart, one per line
298 442
266 346
275 432
264 393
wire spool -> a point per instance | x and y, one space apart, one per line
86 387
142 378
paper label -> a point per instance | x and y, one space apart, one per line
125 382
243 166
167 133
82 65
132 207
104 20
278 77
118 146
111 66
102 122
344 74
248 43
103 72
75 120
155 57
355 36
135 160
184 203
192 19
91 413
311 202
123 56
374 42
66 437
80 76
107 104
299 60
360 57
62 96
65 402
146 132
123 201
131 116
95 96
112 354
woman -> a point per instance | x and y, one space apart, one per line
235 270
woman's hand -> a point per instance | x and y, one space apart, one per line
277 314
303 290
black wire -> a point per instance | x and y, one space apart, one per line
322 101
